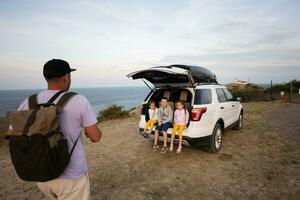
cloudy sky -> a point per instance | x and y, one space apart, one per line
236 39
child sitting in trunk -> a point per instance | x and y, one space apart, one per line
152 118
181 119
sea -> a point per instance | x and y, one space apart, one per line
100 97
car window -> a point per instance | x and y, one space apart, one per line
228 95
221 95
203 96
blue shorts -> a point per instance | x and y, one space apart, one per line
164 127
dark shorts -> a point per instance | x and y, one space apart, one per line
164 127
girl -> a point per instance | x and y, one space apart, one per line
153 117
181 119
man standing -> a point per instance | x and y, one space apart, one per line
73 183
165 117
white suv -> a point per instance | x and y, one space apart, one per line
212 108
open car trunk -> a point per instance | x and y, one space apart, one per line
175 76
173 94
162 76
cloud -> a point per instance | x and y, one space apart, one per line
108 39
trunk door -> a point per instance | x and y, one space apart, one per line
165 76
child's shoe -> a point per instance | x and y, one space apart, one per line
179 149
164 150
155 148
145 134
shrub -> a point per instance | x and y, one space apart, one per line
113 112
285 87
251 94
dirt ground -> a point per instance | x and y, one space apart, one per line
261 161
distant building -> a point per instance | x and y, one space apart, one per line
240 84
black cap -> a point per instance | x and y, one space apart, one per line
56 68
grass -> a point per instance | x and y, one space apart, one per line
113 112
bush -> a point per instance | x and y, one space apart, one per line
251 94
285 87
113 112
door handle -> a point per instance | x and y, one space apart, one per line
222 107
232 105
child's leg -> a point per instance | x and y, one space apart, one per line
153 122
156 135
180 131
147 125
173 136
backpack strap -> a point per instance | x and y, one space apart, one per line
62 102
32 101
55 96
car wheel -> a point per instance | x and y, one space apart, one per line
215 140
240 122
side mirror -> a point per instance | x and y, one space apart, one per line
239 98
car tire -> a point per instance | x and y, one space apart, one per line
239 123
215 140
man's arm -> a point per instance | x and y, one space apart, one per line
93 132
89 122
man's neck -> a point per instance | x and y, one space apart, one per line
53 87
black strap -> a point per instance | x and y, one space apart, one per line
65 99
75 144
62 102
32 102
55 96
30 121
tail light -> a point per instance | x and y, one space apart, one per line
197 113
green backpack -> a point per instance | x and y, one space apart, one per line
39 150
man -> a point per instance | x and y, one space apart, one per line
76 115
165 117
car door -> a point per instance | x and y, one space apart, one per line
233 106
224 106
165 76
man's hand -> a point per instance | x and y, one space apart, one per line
7 136
9 132
93 132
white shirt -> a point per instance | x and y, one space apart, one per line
153 113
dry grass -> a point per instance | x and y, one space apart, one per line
261 161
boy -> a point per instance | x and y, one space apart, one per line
165 117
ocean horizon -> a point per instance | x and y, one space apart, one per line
99 97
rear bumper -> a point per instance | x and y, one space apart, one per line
187 141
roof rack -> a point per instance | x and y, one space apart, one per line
200 74
207 83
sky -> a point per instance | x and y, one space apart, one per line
105 40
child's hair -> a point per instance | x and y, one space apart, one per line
151 102
165 98
181 102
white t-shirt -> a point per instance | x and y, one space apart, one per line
153 113
76 115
